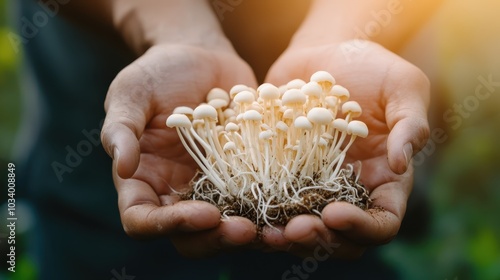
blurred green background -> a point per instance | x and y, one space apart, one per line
10 115
460 179
9 86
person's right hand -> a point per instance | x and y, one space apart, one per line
149 161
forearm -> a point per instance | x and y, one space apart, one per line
387 22
145 23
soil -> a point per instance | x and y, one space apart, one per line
310 201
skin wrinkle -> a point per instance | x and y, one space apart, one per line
155 179
130 124
132 228
383 101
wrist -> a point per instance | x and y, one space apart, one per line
389 23
160 22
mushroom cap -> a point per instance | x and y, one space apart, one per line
239 117
282 89
340 124
327 135
295 83
218 103
263 85
230 127
265 126
183 110
229 146
288 114
293 97
205 111
256 106
303 123
320 116
252 115
217 93
312 89
282 126
331 101
340 92
244 96
357 128
352 107
219 129
323 78
266 135
322 142
237 89
231 119
268 91
229 113
178 120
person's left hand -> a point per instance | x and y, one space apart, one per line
394 96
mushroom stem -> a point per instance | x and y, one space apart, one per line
201 160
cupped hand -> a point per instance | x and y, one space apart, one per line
394 96
150 166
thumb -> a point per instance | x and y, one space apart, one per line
406 114
126 108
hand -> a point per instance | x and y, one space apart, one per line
149 162
394 96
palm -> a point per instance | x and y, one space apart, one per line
149 160
171 77
386 87
370 77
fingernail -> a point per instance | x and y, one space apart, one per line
408 153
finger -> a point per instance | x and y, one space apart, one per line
305 230
143 214
307 236
406 139
274 237
281 73
381 223
232 233
149 220
127 107
122 145
406 114
372 227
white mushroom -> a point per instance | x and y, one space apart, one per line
244 99
296 84
217 93
340 92
183 110
351 109
314 94
324 79
237 89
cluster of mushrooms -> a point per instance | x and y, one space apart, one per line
275 152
